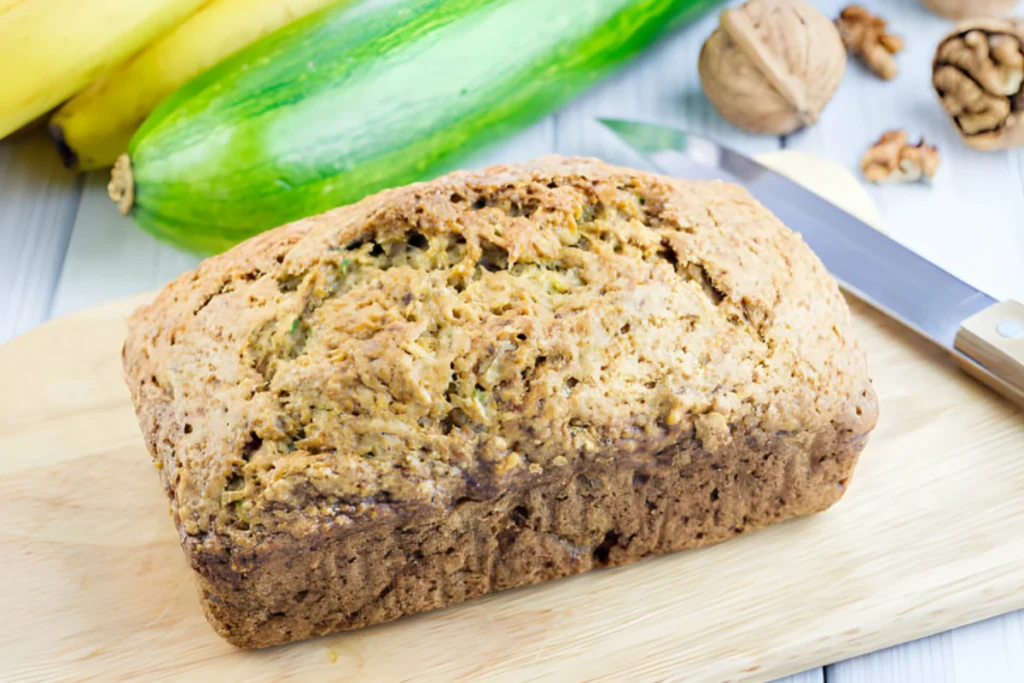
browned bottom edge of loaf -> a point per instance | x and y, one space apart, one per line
600 516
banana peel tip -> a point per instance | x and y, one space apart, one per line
67 155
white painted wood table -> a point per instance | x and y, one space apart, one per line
63 247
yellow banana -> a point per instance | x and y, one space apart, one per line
94 127
51 49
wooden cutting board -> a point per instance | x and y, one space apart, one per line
94 585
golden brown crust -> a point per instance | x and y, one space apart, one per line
379 365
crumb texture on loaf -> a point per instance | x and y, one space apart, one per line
489 380
439 343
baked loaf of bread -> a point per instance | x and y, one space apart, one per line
490 380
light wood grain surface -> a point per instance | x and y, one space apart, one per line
60 255
922 540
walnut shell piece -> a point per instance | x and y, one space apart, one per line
978 74
892 159
772 65
965 9
865 36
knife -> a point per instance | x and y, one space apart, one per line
984 336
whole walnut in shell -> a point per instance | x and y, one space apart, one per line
978 74
772 65
963 9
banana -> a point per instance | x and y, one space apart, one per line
94 127
51 49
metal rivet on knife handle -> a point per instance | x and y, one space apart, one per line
1011 329
991 347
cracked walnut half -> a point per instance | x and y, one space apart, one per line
978 74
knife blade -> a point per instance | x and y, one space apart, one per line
984 335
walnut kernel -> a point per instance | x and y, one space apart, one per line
866 37
893 159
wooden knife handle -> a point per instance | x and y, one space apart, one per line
991 348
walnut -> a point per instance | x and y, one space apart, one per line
977 73
963 9
865 36
893 159
772 65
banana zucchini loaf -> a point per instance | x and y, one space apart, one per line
489 380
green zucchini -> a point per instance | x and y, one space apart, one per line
351 100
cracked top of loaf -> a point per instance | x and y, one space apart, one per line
431 343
